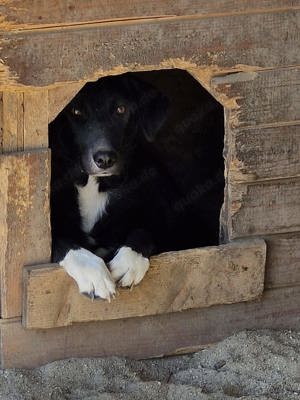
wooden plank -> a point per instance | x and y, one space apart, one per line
261 98
24 120
176 281
264 208
148 336
60 96
265 153
25 235
283 260
240 42
11 121
35 119
38 13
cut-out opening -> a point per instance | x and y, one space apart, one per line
189 150
193 138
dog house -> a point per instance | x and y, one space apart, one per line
246 55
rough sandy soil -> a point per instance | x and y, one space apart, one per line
249 365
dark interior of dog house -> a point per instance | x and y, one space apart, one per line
192 141
187 154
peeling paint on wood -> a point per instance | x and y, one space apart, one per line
264 208
80 53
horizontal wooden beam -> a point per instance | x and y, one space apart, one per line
264 208
265 153
261 98
224 42
40 14
176 281
148 336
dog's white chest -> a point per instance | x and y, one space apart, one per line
91 203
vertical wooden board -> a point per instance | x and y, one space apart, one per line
35 119
283 260
148 336
25 235
224 213
12 121
264 208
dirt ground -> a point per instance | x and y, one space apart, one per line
249 365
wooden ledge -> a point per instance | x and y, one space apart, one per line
176 281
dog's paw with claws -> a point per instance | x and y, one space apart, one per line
90 273
128 267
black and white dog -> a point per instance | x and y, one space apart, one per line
99 165
119 194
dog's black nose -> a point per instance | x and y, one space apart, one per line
105 159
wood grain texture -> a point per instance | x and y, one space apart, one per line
257 40
18 15
25 235
264 208
261 98
265 153
176 281
283 260
23 120
35 119
152 336
11 121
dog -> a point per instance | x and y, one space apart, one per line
120 192
96 142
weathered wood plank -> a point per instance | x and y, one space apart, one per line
224 42
23 120
264 208
265 153
261 98
35 119
283 260
148 336
18 15
11 121
25 235
176 281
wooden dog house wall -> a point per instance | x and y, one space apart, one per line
246 54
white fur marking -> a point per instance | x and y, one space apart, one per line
92 203
128 267
90 273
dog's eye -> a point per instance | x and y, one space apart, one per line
121 109
76 112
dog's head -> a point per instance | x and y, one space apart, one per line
103 124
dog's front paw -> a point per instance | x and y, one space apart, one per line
90 272
128 267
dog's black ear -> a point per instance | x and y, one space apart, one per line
152 108
153 112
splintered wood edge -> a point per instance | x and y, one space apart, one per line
176 281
